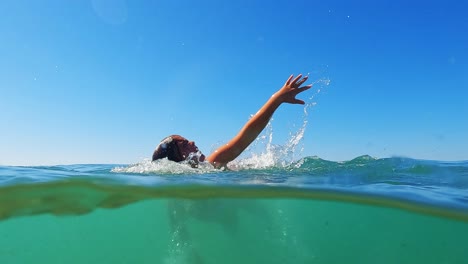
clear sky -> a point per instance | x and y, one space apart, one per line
104 81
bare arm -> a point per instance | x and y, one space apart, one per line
253 127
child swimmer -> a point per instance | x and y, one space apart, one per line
178 148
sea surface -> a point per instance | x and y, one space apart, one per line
366 210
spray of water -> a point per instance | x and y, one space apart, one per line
263 154
165 166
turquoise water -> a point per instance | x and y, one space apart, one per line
366 210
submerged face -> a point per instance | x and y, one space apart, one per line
185 147
177 148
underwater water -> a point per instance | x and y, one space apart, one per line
393 210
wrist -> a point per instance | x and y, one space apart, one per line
277 98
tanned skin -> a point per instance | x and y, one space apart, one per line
287 94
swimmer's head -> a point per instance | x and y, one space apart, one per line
177 148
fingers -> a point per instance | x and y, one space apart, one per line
304 88
295 79
300 90
301 81
298 101
289 79
296 89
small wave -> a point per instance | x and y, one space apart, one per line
165 166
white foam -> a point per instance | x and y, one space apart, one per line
165 166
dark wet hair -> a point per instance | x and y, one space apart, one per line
167 148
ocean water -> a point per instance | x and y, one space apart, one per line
366 210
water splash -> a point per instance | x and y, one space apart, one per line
165 166
263 154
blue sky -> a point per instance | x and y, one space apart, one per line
104 81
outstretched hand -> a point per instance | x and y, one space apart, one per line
287 93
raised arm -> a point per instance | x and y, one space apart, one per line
287 94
